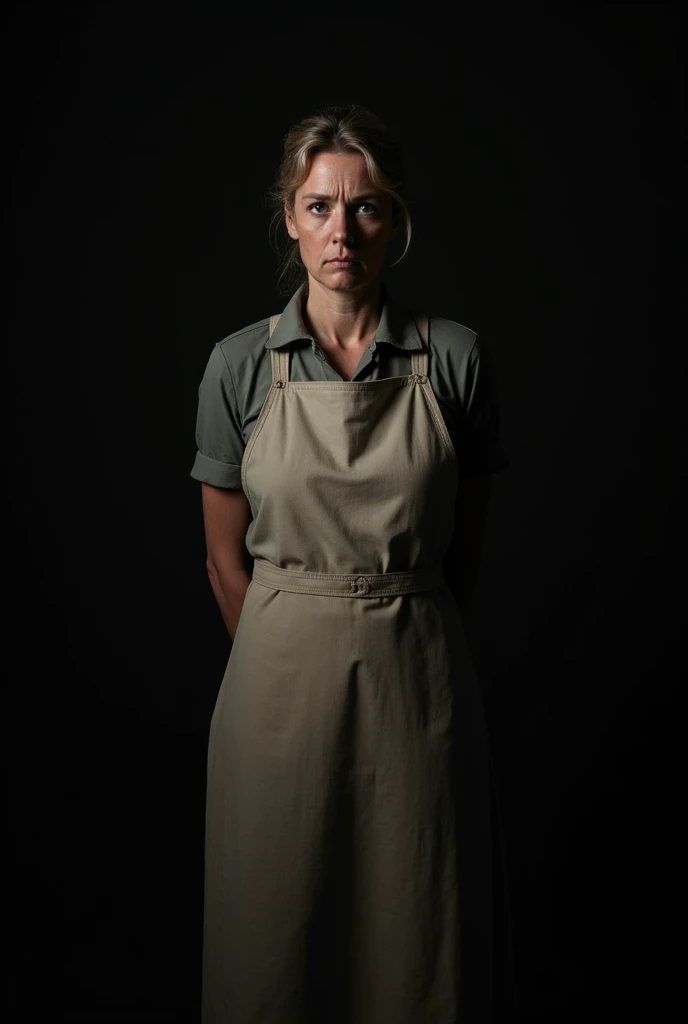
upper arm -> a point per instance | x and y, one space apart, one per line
221 446
480 449
226 517
219 434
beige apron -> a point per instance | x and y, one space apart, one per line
349 846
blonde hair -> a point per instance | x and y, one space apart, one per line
333 130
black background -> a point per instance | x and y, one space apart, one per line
543 160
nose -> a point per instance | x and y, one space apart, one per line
342 226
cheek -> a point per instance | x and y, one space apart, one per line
379 233
314 234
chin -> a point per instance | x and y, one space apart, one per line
342 281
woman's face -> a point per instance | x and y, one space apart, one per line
339 212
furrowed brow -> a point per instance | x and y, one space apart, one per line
356 199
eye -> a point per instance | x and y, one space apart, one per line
373 209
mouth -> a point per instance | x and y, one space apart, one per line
342 263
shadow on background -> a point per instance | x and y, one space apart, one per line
543 162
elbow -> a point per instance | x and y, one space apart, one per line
225 570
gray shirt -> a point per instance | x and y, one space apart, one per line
238 377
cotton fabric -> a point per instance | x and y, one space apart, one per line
354 866
237 379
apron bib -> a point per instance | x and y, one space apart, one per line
349 842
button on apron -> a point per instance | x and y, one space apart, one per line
352 835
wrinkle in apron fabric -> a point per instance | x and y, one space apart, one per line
350 840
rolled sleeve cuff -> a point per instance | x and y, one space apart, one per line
219 474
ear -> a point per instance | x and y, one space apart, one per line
289 221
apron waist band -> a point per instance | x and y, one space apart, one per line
332 584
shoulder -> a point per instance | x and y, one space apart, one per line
452 344
248 343
452 333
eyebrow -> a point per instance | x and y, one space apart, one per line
356 199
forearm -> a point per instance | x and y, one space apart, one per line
229 586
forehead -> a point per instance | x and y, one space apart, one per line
329 170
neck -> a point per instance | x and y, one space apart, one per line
342 319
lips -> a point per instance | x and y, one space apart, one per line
343 261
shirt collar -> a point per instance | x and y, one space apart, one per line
397 325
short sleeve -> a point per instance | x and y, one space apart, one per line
218 426
481 452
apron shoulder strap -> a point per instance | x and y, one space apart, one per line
419 359
279 357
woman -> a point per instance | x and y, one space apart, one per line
344 451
